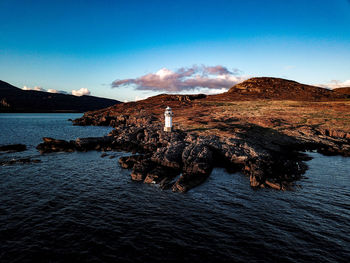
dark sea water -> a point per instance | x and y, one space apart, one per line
82 207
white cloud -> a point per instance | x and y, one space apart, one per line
336 84
81 92
56 91
214 91
185 79
36 88
137 98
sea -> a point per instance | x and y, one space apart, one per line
82 207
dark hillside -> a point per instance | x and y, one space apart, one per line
13 99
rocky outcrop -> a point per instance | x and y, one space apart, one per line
81 144
269 159
55 145
13 148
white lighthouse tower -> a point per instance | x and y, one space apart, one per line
168 114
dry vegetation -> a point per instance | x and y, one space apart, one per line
276 114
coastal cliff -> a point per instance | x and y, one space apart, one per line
259 127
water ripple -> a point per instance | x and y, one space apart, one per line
81 207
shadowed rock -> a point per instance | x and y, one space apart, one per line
13 148
55 145
19 161
128 162
161 175
141 168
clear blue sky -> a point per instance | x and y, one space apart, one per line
69 45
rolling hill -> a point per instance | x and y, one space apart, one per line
280 89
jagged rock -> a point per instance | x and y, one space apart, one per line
141 169
128 162
197 159
170 156
13 148
188 181
161 174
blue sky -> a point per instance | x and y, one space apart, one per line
89 44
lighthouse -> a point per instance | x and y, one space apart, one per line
168 114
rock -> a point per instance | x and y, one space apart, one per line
161 174
54 145
128 162
13 148
197 159
273 185
170 156
19 161
93 143
188 181
141 169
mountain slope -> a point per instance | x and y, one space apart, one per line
13 99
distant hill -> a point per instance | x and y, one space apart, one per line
345 90
276 88
13 99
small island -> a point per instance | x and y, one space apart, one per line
260 127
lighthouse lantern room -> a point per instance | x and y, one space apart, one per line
168 114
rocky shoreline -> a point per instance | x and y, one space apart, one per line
269 158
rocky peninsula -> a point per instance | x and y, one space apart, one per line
260 128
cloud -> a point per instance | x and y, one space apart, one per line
56 91
137 98
184 79
336 84
81 92
36 88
